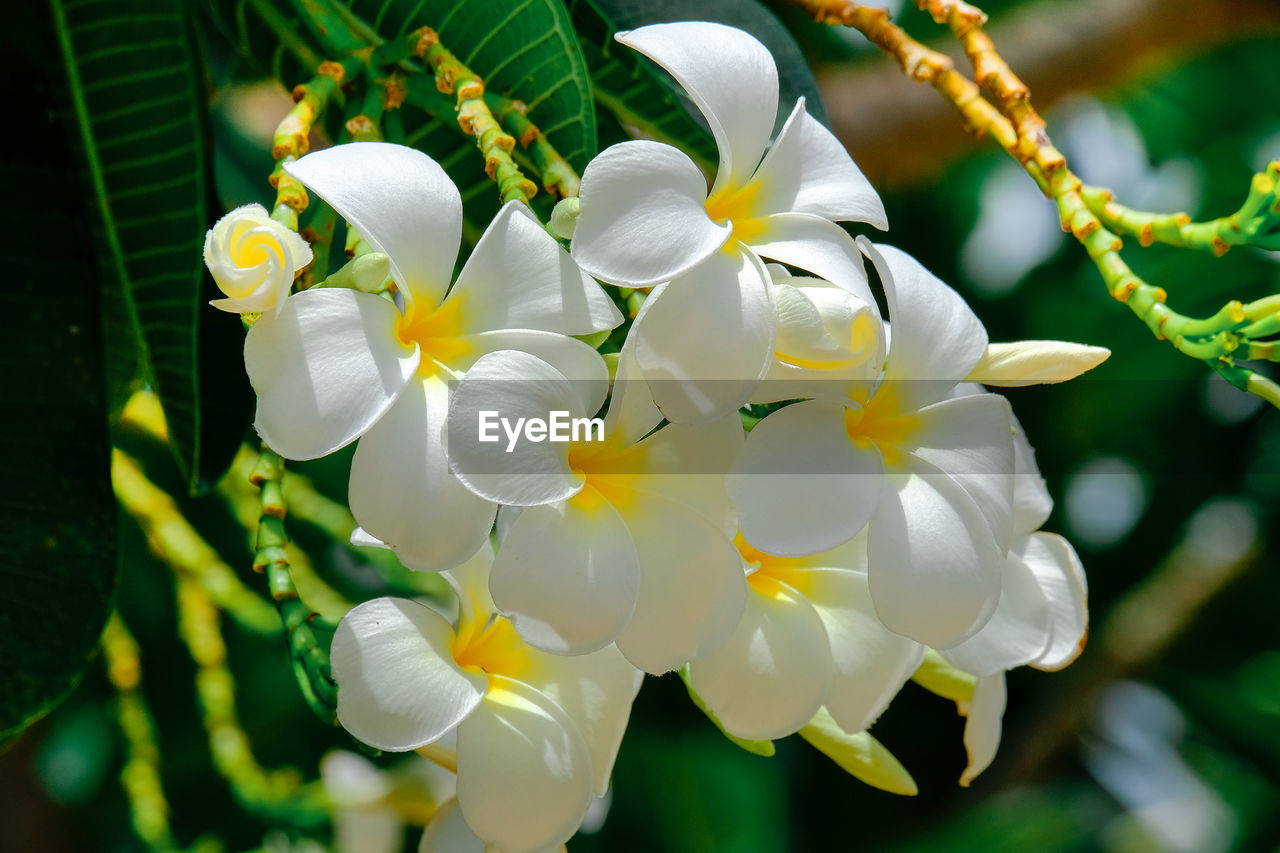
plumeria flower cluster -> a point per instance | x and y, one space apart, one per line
882 519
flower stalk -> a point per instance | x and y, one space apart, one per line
474 115
1256 223
1088 213
309 657
290 140
558 177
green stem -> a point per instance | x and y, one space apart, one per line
1254 224
310 659
474 116
558 177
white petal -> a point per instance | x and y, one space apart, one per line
931 561
1019 629
632 414
519 277
707 339
870 663
937 339
692 589
361 539
448 833
971 440
1032 504
730 76
577 361
801 486
983 726
1057 568
401 202
596 691
489 452
643 217
816 245
685 464
829 342
325 369
567 575
823 325
772 673
398 685
524 776
808 171
403 492
1035 362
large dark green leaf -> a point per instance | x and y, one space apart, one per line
135 90
643 97
57 522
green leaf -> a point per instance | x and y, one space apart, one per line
644 97
136 97
57 525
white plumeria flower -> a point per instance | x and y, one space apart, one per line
825 334
646 218
929 472
536 734
1041 621
621 539
254 260
808 637
338 364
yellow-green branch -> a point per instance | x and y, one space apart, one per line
275 793
1021 132
140 776
176 542
310 659
558 177
474 116
290 140
1256 223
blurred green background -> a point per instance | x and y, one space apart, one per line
1164 735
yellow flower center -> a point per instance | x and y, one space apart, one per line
770 569
882 423
495 650
735 206
437 333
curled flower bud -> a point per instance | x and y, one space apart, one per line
253 259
